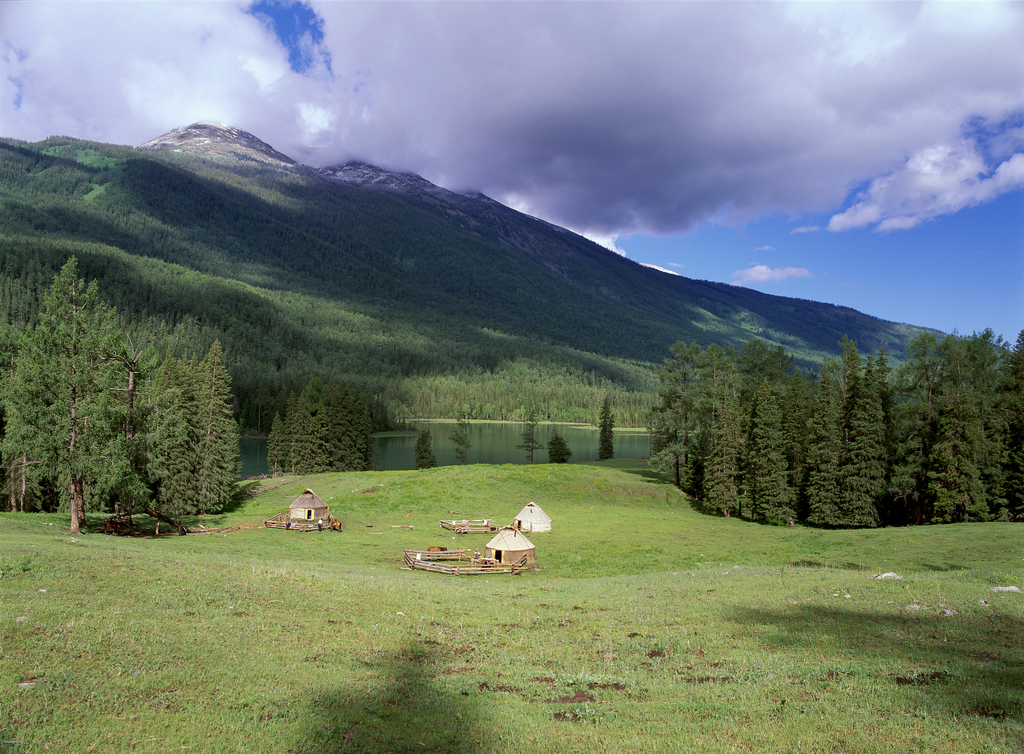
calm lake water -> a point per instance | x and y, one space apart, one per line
490 442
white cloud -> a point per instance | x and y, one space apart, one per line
659 269
765 248
806 229
935 181
608 117
759 274
608 240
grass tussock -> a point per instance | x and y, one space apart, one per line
645 628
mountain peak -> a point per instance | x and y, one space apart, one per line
218 139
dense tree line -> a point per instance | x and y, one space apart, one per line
90 420
938 439
326 427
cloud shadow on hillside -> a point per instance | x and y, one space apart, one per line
410 713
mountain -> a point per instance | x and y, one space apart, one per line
439 302
215 139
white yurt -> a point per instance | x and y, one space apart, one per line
531 518
509 545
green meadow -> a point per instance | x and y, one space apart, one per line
645 627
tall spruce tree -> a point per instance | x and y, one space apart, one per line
1013 393
915 423
606 442
864 465
62 383
425 450
528 438
954 478
824 452
771 498
460 439
674 421
276 443
174 429
218 433
723 469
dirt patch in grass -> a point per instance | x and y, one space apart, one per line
577 698
607 686
571 717
543 679
655 653
501 687
708 679
922 679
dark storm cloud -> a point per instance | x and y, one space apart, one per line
607 117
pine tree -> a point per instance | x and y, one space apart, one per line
218 434
62 383
425 450
915 423
276 443
723 471
770 496
824 453
124 476
675 419
174 440
529 442
606 444
863 470
558 449
460 439
1013 394
954 476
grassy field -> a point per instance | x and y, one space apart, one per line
645 628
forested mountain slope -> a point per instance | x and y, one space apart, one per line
437 302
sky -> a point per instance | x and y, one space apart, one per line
865 154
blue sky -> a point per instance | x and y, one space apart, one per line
866 154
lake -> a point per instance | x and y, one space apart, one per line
490 442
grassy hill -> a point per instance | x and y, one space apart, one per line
404 293
645 628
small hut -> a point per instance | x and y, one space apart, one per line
307 513
308 507
509 546
532 518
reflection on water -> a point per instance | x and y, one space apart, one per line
490 442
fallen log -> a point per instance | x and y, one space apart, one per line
159 517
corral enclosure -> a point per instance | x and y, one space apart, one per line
646 627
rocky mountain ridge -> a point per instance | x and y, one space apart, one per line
217 139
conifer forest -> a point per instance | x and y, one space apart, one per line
939 438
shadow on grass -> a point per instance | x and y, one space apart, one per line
946 567
410 713
965 664
818 564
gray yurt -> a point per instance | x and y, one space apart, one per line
509 545
309 508
532 518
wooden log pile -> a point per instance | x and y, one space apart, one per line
459 563
469 526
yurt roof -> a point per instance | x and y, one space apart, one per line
508 538
532 512
308 499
